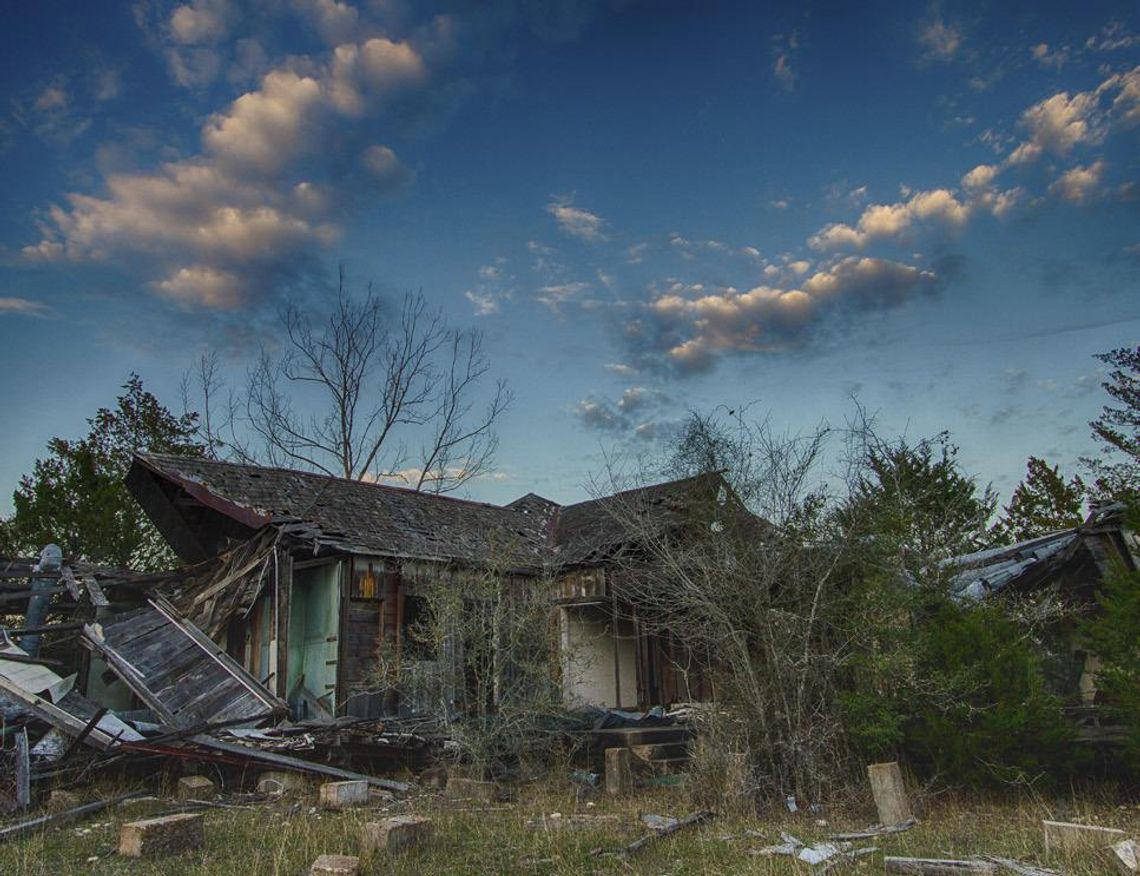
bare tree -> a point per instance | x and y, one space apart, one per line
366 393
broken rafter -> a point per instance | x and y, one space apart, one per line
637 845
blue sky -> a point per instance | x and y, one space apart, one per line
646 207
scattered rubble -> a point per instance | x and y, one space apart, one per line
335 865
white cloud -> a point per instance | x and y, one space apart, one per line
1112 37
1050 57
556 295
576 221
688 326
52 98
23 307
486 303
203 287
783 71
203 21
1078 185
620 368
881 221
335 21
224 225
940 40
265 130
1057 124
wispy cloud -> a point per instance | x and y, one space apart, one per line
577 221
23 307
940 41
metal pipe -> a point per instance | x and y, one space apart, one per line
51 561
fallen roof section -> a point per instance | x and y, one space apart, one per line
178 671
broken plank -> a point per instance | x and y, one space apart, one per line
23 827
53 714
23 771
295 763
637 845
1021 868
873 832
937 866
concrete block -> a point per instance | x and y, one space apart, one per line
342 795
890 793
274 782
1126 856
196 788
61 801
335 865
1066 837
472 789
154 837
394 834
619 778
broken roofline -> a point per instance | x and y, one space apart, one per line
197 503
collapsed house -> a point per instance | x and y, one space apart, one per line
301 578
1065 568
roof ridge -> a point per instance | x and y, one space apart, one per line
323 476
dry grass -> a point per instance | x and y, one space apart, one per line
286 836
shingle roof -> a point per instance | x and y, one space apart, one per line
364 517
593 531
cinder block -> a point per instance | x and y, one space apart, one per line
154 837
276 782
1066 837
890 793
619 778
342 795
394 834
196 788
472 789
335 865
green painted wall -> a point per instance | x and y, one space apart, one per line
314 619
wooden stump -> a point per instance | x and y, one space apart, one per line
619 779
890 793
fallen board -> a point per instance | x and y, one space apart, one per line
184 677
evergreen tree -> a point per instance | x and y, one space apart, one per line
75 496
1118 428
1043 502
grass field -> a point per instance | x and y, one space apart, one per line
285 836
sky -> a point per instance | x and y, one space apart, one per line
647 208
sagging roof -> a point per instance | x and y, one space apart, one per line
354 516
1030 562
599 529
196 503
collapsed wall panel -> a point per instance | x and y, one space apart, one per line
184 677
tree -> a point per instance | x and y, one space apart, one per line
393 396
914 501
75 497
1117 429
1043 502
